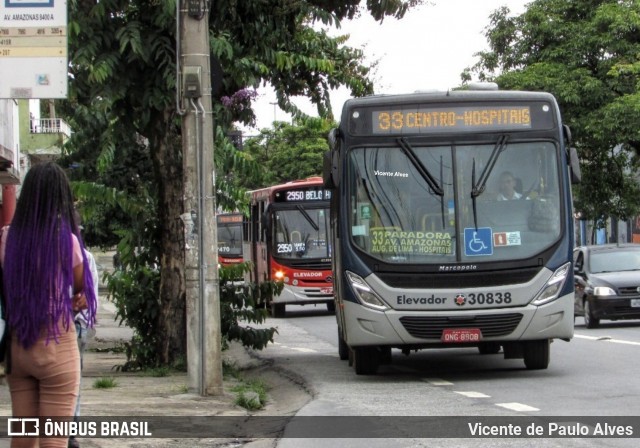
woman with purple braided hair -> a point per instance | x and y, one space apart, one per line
46 280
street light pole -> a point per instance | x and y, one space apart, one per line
204 350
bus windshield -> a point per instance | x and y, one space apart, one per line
301 233
230 239
414 203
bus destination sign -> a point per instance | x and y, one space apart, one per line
303 194
227 219
428 120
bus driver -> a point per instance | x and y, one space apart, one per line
508 187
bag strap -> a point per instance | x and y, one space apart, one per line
2 281
2 300
5 339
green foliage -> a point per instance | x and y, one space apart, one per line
233 167
275 42
133 285
288 152
105 383
244 304
584 52
127 136
258 387
108 211
134 291
157 372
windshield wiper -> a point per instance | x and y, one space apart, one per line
308 218
424 172
479 187
444 224
232 238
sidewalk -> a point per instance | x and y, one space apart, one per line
138 395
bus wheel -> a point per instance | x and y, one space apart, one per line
343 348
331 306
277 309
589 320
366 360
489 348
536 354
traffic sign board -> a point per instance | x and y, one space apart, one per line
33 49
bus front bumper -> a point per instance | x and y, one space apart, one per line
302 295
401 328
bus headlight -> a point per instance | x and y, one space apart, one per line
554 285
364 293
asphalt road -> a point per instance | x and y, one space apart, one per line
594 375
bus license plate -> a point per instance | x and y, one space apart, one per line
460 335
635 303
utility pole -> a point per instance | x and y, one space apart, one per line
204 357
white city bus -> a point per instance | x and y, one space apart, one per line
427 251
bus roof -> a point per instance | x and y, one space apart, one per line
310 180
454 111
448 96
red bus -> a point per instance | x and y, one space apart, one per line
230 238
288 241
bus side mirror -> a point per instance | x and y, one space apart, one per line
566 131
330 159
328 170
574 166
334 139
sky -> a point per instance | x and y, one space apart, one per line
425 50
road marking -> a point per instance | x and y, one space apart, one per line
472 394
518 407
605 338
296 349
584 336
620 341
303 350
438 382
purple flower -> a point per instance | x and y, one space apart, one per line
239 100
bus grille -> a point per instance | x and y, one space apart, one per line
320 265
316 293
430 327
433 280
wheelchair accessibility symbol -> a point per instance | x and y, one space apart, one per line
478 241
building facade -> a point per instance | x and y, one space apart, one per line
25 139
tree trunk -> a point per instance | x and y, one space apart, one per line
166 150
